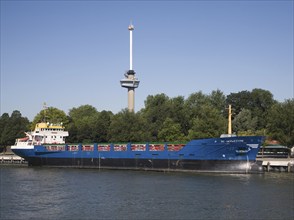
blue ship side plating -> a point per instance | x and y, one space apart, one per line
235 148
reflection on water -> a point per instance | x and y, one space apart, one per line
41 193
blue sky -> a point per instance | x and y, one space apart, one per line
71 53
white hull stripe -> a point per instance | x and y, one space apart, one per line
22 147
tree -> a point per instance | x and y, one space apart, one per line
218 100
209 123
195 101
170 131
193 106
128 127
14 127
281 122
239 101
262 101
157 109
178 113
102 125
258 101
4 120
83 124
51 115
244 123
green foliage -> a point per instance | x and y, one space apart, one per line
208 123
168 119
84 124
258 101
127 126
12 127
218 100
239 101
100 132
280 122
170 131
52 115
244 122
4 120
177 112
206 114
155 112
262 101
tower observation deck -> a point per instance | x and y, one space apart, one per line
130 82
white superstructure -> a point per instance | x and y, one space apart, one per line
44 133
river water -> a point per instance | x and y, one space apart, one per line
65 193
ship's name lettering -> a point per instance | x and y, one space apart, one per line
234 141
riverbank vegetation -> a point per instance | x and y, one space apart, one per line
167 119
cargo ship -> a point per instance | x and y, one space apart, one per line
46 146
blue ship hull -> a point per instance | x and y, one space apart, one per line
230 154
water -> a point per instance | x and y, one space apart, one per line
51 193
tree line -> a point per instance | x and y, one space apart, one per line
163 119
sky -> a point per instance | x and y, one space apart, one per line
73 53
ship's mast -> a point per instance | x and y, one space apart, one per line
45 111
230 121
130 82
